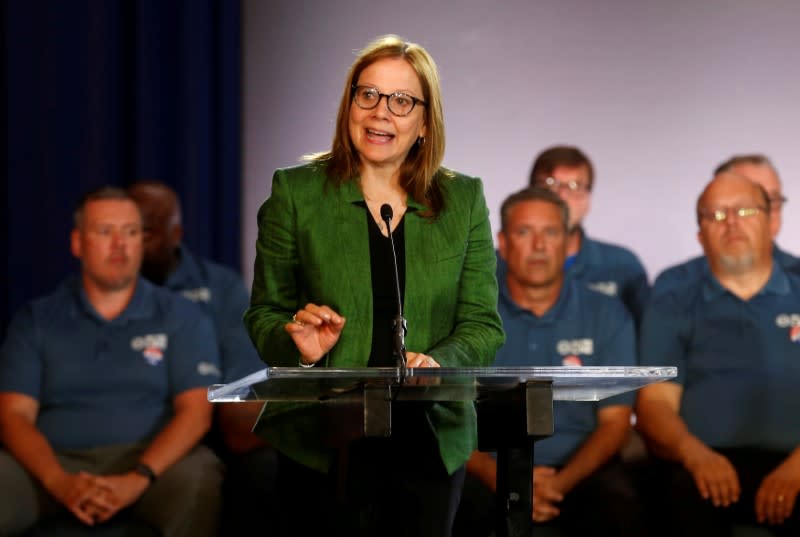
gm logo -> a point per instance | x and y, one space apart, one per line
575 346
786 320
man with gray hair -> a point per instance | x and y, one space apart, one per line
757 168
726 428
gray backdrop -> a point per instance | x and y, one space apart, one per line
656 92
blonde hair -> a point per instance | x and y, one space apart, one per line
421 173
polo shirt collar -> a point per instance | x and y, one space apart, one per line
186 272
777 284
587 255
141 306
552 314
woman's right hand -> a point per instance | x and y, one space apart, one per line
315 330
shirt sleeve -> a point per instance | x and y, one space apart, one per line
20 359
238 355
662 341
618 346
193 353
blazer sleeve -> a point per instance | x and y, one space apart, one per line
274 295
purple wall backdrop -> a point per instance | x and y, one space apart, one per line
657 93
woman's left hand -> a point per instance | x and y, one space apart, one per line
417 359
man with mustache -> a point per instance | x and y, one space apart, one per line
757 168
726 427
579 483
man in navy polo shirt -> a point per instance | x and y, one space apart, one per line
727 427
250 462
608 268
103 391
552 320
759 169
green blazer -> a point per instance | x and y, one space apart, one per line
313 247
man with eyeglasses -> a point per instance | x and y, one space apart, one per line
759 169
608 268
726 429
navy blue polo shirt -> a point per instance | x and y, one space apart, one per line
738 361
102 382
583 328
690 271
607 268
222 294
612 270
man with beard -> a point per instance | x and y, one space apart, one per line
759 169
579 482
103 392
221 293
726 428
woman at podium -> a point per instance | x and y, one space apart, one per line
360 237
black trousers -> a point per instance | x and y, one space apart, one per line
393 487
606 503
691 515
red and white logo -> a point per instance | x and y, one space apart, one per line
153 355
794 334
152 347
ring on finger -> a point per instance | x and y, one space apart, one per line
297 321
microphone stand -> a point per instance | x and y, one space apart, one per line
399 325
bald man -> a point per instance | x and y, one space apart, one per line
222 294
726 427
759 169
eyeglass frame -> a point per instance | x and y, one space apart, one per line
777 202
573 186
414 100
716 216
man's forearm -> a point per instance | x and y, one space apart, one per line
177 438
32 450
604 442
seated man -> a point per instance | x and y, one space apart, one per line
727 427
579 483
103 392
608 268
250 461
759 169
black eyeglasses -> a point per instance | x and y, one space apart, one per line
399 103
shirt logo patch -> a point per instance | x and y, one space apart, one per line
607 288
153 355
583 346
208 369
786 320
571 361
152 347
794 334
201 294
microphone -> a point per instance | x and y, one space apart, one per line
399 324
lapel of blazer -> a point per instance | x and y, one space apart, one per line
350 274
425 242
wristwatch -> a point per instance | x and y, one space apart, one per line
145 470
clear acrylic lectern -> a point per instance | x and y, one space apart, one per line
514 407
